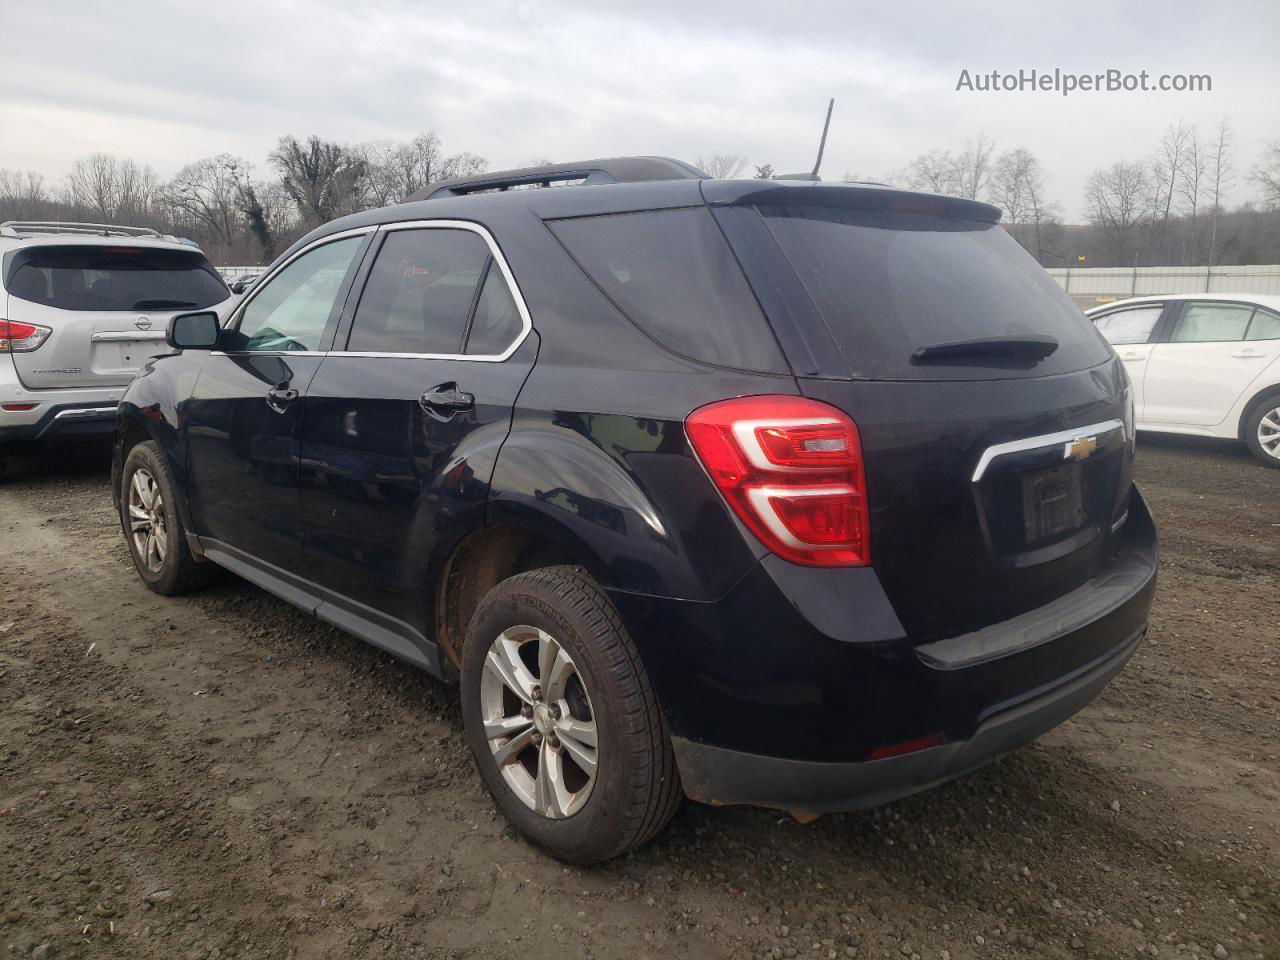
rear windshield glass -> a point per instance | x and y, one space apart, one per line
888 284
672 273
115 278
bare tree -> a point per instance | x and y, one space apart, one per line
1266 174
1195 164
764 171
973 167
208 191
23 195
1018 186
1166 174
395 171
721 166
934 171
1115 198
324 178
92 184
1220 176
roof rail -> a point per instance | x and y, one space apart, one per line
23 228
608 170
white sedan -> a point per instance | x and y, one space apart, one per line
1206 364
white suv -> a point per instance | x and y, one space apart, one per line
82 307
1206 364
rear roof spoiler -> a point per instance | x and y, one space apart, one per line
608 170
861 196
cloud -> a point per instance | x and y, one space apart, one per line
168 83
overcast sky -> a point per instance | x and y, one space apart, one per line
169 82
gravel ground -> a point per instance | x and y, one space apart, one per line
220 776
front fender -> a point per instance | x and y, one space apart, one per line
153 405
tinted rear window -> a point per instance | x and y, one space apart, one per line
672 273
115 278
887 284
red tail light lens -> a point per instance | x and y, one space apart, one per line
21 337
791 469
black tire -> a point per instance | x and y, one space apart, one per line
1266 407
636 789
179 571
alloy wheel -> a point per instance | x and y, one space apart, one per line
1269 433
147 530
538 721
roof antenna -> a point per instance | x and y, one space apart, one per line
822 145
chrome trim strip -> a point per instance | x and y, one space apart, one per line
114 336
86 413
1046 440
526 321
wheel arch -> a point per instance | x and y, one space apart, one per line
1271 390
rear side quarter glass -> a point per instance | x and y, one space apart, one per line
673 275
1264 326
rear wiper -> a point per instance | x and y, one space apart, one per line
162 304
1015 349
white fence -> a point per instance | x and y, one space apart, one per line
1092 285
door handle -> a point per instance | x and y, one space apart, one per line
1130 356
279 397
444 401
1249 354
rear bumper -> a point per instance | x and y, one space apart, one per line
718 776
785 692
56 422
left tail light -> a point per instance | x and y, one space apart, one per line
791 469
18 337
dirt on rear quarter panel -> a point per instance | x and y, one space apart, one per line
221 776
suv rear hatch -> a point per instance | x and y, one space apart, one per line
108 307
995 422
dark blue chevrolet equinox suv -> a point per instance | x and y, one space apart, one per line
784 493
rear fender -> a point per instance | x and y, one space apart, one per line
626 496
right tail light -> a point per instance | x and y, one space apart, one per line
18 337
791 469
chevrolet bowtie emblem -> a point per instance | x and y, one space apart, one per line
1081 448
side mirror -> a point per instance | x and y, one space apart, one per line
194 331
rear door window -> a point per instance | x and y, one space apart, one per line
887 284
110 279
1129 326
1212 323
672 273
420 292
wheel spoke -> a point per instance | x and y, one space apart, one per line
584 756
137 525
551 796
584 731
142 484
138 512
506 726
554 667
504 661
512 748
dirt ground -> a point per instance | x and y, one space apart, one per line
220 776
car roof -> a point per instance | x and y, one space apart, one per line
1271 300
